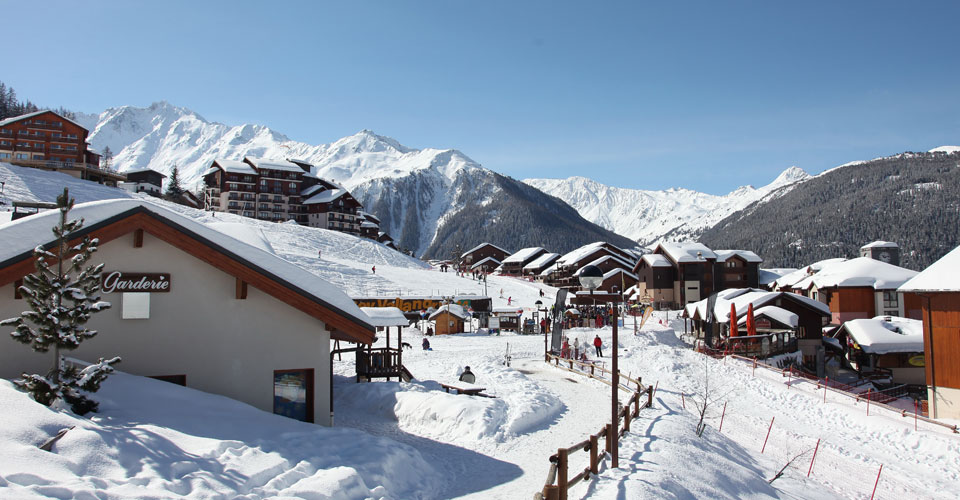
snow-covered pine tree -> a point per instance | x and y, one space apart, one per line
174 189
62 295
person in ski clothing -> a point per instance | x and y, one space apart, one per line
467 375
598 344
426 344
576 348
374 269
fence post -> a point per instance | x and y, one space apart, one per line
594 463
876 483
825 387
562 472
626 418
915 412
768 435
649 397
552 492
868 401
636 404
815 448
789 377
609 437
724 414
683 401
754 366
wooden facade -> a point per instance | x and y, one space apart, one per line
447 323
481 252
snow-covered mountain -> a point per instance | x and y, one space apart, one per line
424 197
652 216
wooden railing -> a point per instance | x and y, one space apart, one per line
558 477
379 362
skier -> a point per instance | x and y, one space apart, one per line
374 269
598 343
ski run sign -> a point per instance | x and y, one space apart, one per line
117 281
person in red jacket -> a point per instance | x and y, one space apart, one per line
598 344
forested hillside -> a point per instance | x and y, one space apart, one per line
912 199
11 105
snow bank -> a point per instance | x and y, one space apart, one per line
155 439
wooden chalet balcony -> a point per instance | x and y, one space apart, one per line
763 345
6 133
379 362
45 125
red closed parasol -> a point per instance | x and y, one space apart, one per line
751 325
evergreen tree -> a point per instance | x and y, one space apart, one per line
174 189
107 157
62 295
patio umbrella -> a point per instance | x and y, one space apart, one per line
734 329
751 325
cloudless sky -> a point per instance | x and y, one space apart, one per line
705 95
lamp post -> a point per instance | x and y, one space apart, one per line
591 277
539 303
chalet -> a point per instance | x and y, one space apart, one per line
143 180
693 266
385 238
536 266
861 288
938 289
369 225
617 280
654 274
49 141
448 319
481 252
514 263
737 269
788 281
563 273
767 278
485 265
233 319
885 347
713 325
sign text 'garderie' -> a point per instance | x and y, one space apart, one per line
117 281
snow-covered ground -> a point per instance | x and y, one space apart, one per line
413 440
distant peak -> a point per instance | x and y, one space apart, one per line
790 175
945 149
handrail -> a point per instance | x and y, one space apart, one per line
557 483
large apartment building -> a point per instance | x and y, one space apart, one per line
284 190
47 140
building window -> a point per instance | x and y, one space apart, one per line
136 305
23 156
5 155
232 187
890 299
293 394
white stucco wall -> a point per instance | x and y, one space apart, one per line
223 345
945 403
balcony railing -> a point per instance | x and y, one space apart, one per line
45 125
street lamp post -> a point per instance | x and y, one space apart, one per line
590 278
539 303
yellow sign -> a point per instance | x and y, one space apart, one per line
917 360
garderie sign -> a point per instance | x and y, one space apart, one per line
118 281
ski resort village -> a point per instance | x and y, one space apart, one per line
642 251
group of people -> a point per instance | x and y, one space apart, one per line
579 350
597 316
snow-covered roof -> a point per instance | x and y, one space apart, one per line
20 237
880 244
686 251
263 163
767 276
541 261
747 255
793 278
601 260
522 255
656 260
775 313
234 167
508 310
741 298
879 336
489 261
385 316
580 253
614 272
312 189
12 119
454 309
478 247
942 276
862 271
142 170
325 196
550 269
368 224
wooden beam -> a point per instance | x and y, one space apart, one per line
138 238
241 289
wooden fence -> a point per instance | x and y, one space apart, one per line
558 478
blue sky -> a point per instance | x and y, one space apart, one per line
703 95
